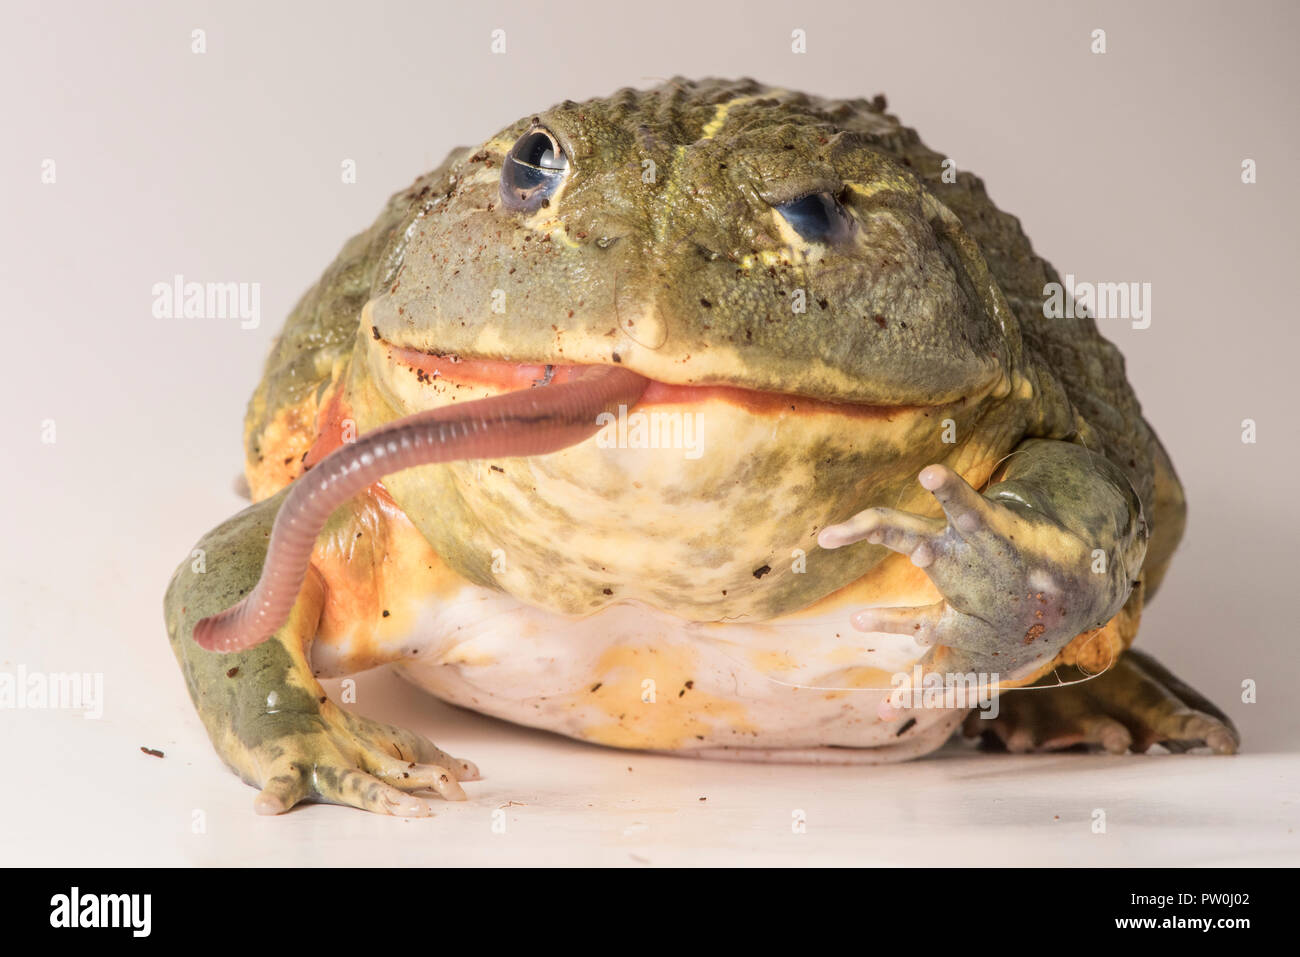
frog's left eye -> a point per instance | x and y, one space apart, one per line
533 170
818 218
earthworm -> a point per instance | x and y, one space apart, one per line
531 421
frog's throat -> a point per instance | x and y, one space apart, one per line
527 421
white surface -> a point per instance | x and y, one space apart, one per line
87 796
226 167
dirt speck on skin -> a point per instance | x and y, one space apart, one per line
152 752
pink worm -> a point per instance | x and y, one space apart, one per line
527 422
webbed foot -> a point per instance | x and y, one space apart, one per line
340 758
1131 706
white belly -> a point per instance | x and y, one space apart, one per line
799 688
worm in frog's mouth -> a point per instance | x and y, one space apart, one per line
540 408
527 421
506 375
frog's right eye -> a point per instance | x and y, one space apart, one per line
818 218
533 170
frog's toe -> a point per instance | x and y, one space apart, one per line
936 624
1045 720
410 776
282 792
1134 705
297 782
899 531
408 761
1164 710
335 757
966 508
920 537
407 746
359 789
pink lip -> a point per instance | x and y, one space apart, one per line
511 376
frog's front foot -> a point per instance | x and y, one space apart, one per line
1133 705
1017 584
335 757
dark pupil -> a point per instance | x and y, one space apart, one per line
538 151
534 162
813 217
816 217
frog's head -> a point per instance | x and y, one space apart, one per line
766 245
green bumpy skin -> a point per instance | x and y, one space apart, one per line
268 717
687 278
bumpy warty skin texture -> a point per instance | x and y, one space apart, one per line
834 372
1066 356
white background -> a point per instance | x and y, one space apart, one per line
226 167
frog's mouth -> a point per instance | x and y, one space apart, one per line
476 377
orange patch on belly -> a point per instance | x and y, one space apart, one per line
379 572
893 581
678 714
857 679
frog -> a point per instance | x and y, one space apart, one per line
881 458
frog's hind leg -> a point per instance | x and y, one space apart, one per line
1135 704
265 711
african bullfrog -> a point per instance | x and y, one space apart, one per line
687 420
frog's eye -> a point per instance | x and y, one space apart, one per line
818 218
533 170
